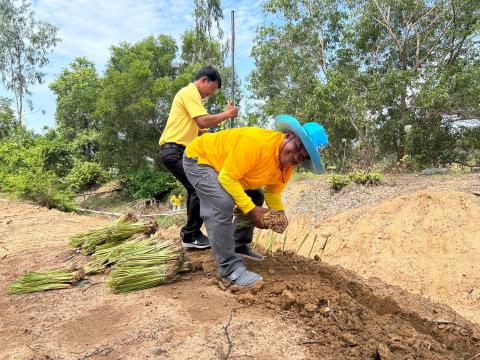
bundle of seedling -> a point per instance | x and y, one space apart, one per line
48 280
145 266
138 260
274 220
113 234
109 253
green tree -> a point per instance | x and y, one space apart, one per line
366 69
24 46
202 44
7 118
137 90
77 91
299 70
415 43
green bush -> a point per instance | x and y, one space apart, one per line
43 188
85 174
23 174
432 143
56 156
146 183
338 181
366 178
178 189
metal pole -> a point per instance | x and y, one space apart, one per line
233 63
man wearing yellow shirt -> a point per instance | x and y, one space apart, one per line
187 117
233 167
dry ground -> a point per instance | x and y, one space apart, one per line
419 233
305 309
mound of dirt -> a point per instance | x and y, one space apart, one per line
314 197
349 318
427 243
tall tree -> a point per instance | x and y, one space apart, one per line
24 46
205 40
203 45
412 43
368 68
138 87
295 53
77 89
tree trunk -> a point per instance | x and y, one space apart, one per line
403 122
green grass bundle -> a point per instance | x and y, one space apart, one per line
109 253
79 239
146 267
114 233
49 280
366 178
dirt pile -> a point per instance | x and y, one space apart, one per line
346 317
427 243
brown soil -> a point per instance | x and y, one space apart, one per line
184 320
305 309
427 242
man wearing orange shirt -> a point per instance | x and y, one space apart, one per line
232 167
187 117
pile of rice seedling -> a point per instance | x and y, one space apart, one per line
115 233
109 253
142 261
78 240
276 220
48 280
147 266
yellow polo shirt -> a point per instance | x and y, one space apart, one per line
181 128
246 159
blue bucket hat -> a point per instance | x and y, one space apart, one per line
312 135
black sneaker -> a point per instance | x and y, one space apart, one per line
199 241
248 253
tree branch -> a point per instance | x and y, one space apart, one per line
388 27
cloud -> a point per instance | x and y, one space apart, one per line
89 28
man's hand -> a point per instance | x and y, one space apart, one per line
257 216
231 111
209 120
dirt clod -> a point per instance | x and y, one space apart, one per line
384 353
247 298
276 221
257 287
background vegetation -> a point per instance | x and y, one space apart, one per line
392 82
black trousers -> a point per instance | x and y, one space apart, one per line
171 155
244 235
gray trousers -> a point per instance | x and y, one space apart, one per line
216 210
